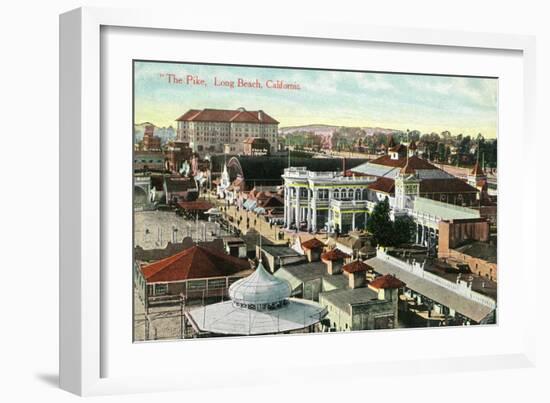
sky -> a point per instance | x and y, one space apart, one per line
164 91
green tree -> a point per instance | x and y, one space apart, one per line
441 152
403 230
379 224
385 232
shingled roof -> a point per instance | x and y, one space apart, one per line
313 243
449 185
413 161
384 185
226 116
356 267
334 254
194 263
386 281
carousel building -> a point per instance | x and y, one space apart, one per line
259 304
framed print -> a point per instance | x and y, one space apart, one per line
238 191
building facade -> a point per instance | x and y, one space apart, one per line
215 130
330 201
150 141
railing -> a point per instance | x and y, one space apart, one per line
417 269
423 218
349 203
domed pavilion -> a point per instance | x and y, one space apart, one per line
259 304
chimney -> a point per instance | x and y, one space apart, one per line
260 115
334 260
356 272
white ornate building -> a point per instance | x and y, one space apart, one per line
315 201
334 202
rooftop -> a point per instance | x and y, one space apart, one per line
279 250
196 262
344 298
226 116
260 287
334 254
480 250
386 281
466 307
356 267
313 243
227 319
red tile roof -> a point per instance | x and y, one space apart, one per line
334 254
194 263
356 267
414 161
226 115
387 281
450 185
384 185
408 169
188 115
313 243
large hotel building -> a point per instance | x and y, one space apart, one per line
222 130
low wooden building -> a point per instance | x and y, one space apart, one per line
196 273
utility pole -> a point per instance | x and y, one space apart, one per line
182 306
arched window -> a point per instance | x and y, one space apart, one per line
350 193
358 194
336 193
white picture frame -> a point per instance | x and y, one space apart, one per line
82 305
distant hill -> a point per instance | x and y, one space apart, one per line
165 133
324 130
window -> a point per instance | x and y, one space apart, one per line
336 193
216 283
160 289
196 285
323 194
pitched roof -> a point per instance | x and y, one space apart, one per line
384 185
194 263
386 281
313 243
414 161
356 267
334 254
407 169
226 115
413 145
273 201
449 185
391 142
188 115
